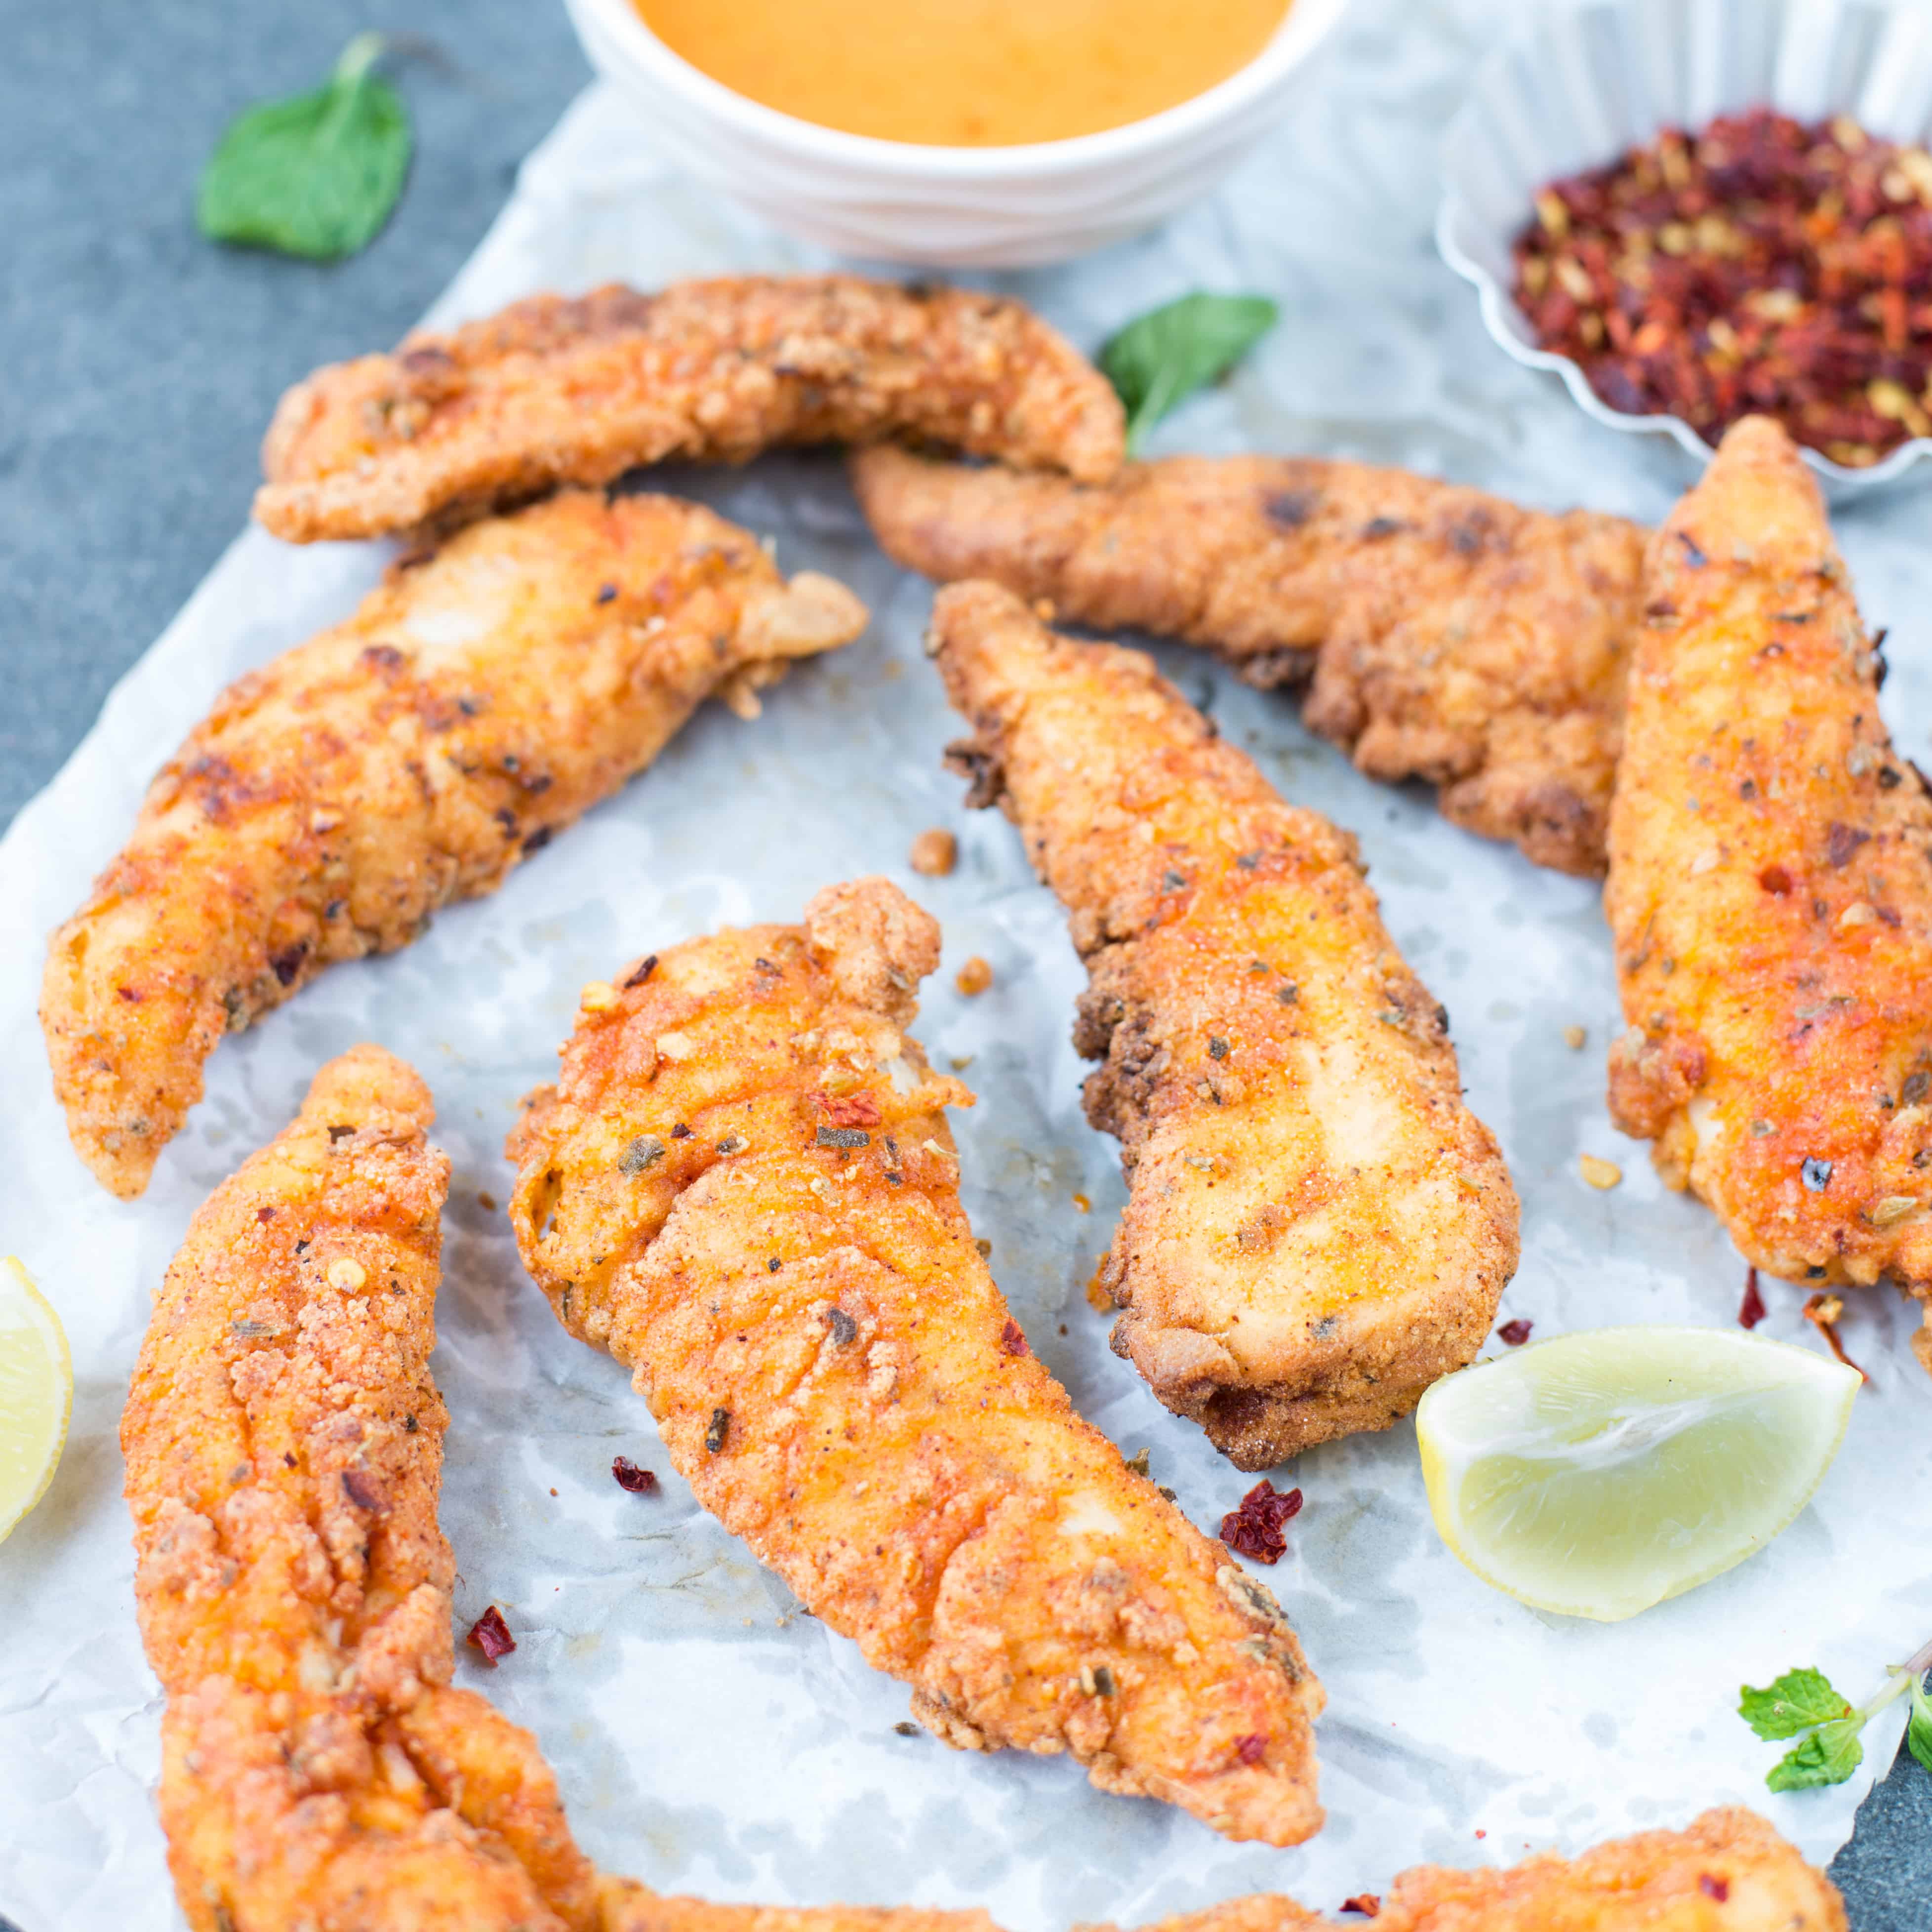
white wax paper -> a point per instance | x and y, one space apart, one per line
708 1736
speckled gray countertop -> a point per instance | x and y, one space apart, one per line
138 366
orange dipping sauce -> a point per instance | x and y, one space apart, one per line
967 73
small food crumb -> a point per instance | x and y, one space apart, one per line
599 997
1256 1529
720 1427
1081 1202
552 1492
906 1728
1574 1037
934 853
1600 1173
639 1482
974 977
1365 1903
985 1246
491 1635
1012 1340
487 1201
1098 1299
347 1273
1515 1334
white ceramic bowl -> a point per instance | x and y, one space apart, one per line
979 207
1583 82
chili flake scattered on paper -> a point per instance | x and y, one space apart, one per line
1752 1310
1516 1333
491 1635
639 1482
1255 1530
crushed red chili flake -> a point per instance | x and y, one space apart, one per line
1011 1338
1761 265
1775 880
1516 1333
1251 1749
1367 1903
849 1110
1712 1886
639 1482
491 1635
1752 1310
1822 1311
1255 1529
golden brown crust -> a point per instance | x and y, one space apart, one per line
744 1188
283 1444
1771 891
1317 1227
1451 635
552 391
627 1907
1730 1872
478 702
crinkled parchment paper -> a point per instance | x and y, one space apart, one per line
709 1736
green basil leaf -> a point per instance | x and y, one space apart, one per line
316 175
1828 1755
1797 1701
1160 359
1918 1732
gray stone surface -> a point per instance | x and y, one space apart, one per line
138 365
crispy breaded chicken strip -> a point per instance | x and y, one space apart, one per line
744 1188
1730 1872
551 391
1451 635
1317 1228
480 700
284 1447
284 1441
1771 892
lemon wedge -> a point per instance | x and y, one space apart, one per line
36 1392
1598 1474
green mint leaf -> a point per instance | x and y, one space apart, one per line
316 175
1828 1755
1918 1732
1797 1701
1160 359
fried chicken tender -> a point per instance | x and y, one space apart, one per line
1730 1872
1450 635
1771 891
478 702
1317 1228
743 1188
284 1443
551 391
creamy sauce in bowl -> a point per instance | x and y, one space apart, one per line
967 73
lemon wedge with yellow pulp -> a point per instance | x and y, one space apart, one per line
1598 1474
36 1392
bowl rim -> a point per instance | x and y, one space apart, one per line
1304 26
1498 306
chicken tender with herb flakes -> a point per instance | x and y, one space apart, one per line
1450 635
284 1446
744 1188
552 391
1317 1228
480 700
1771 892
1730 1872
